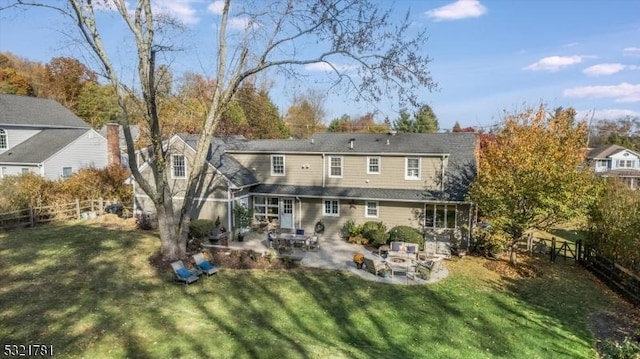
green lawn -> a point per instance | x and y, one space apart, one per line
90 292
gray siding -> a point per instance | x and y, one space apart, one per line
90 150
311 170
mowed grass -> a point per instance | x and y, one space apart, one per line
90 292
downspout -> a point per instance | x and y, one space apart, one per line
299 212
323 170
442 176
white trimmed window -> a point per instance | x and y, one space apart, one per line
371 209
277 165
335 167
373 165
66 171
331 207
625 163
3 139
178 166
412 168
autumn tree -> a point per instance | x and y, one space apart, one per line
65 77
531 175
384 59
306 115
614 228
362 124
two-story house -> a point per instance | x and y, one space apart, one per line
616 161
419 180
43 137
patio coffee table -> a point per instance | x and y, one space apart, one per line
401 265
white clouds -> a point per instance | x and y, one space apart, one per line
624 92
325 67
216 7
607 69
234 23
607 114
554 63
461 9
633 51
182 10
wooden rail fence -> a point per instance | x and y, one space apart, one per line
30 217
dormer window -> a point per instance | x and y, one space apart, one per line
3 139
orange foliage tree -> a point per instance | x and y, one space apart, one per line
531 175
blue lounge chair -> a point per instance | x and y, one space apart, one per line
204 265
182 274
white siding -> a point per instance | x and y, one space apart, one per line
90 150
625 156
16 135
8 170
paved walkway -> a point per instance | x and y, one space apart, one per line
335 253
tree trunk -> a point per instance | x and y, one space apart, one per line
513 253
174 246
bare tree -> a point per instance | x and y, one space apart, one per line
367 57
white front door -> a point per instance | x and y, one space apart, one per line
286 214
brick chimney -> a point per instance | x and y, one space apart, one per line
113 144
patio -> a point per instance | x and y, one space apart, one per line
335 253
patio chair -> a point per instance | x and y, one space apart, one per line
314 243
182 274
204 265
425 269
376 267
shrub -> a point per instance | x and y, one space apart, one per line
375 233
201 228
627 349
405 234
350 229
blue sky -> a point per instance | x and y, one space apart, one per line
488 56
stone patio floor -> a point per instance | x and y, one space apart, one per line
335 253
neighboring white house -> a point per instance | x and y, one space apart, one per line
616 161
41 136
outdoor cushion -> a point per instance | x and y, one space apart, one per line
396 246
411 249
184 273
205 265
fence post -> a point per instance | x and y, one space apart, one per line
553 249
78 209
31 217
100 206
578 250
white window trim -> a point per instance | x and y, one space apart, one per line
4 134
173 166
284 167
341 166
324 207
61 175
366 209
369 165
406 169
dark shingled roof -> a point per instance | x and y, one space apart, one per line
37 112
380 194
364 143
41 146
223 162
